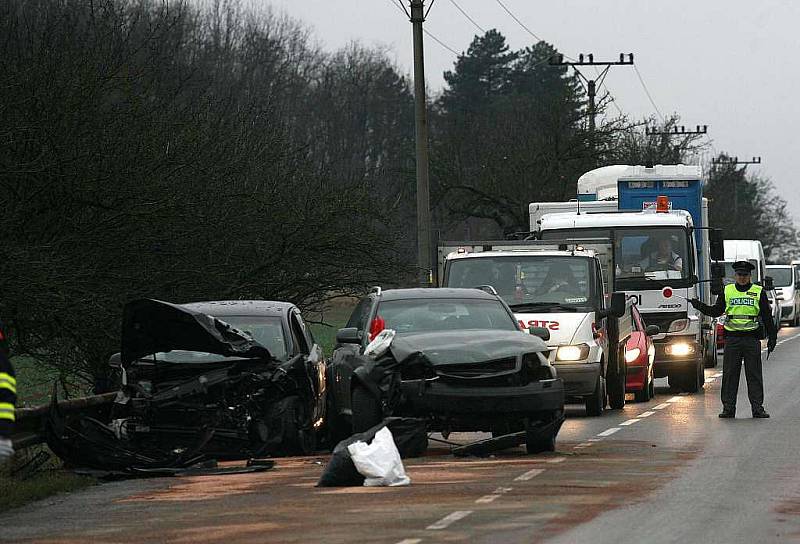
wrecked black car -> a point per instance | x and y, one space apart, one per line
453 357
206 380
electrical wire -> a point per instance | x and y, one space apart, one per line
520 23
649 96
465 14
398 4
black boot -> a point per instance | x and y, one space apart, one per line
727 413
760 413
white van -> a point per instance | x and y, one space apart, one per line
784 277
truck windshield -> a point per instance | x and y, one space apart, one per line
529 280
782 277
644 257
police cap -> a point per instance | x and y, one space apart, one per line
743 266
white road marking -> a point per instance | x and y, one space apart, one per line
629 422
559 459
529 475
448 520
486 499
660 406
582 445
646 414
594 439
608 432
675 399
410 541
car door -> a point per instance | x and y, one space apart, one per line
312 359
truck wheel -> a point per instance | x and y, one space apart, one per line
298 433
616 384
596 402
536 441
710 357
337 426
366 409
693 379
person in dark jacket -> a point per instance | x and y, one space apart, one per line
8 397
747 314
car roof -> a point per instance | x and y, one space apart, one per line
241 307
435 292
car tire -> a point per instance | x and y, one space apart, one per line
596 402
645 393
693 379
710 359
366 409
616 392
337 426
299 437
652 387
536 443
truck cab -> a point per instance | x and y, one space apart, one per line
559 291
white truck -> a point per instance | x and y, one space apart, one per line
559 291
657 221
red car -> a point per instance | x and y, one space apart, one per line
639 355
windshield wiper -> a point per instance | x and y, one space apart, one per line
541 306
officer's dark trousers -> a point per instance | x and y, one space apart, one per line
738 349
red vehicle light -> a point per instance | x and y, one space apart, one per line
662 204
377 325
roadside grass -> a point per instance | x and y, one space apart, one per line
21 482
325 325
35 382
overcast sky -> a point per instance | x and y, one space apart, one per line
730 64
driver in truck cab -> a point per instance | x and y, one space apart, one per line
663 257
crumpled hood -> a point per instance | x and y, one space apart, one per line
466 346
150 326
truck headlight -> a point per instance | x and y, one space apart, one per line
678 325
572 353
632 354
679 349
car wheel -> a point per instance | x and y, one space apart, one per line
710 358
691 380
616 392
337 426
299 437
645 394
596 402
536 441
366 409
652 387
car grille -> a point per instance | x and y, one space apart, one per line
479 370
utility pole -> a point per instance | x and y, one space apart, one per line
733 161
591 84
424 254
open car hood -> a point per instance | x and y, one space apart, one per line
151 326
465 346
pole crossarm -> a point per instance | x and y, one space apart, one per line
676 131
588 60
735 160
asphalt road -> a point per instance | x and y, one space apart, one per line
665 471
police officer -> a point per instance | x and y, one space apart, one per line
8 397
744 305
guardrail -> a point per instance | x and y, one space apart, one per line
29 428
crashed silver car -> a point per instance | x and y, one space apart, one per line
224 380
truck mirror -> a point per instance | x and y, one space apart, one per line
541 332
652 330
717 244
717 287
115 360
717 271
348 335
694 279
618 302
769 283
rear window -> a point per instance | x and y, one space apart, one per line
422 315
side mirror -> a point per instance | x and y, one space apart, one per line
618 301
541 332
797 285
694 279
652 330
769 283
717 286
717 244
115 361
348 335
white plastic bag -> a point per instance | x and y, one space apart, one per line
380 344
379 462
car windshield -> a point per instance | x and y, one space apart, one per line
445 314
781 276
267 331
526 280
645 257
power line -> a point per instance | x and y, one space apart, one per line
399 5
520 23
465 14
649 96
